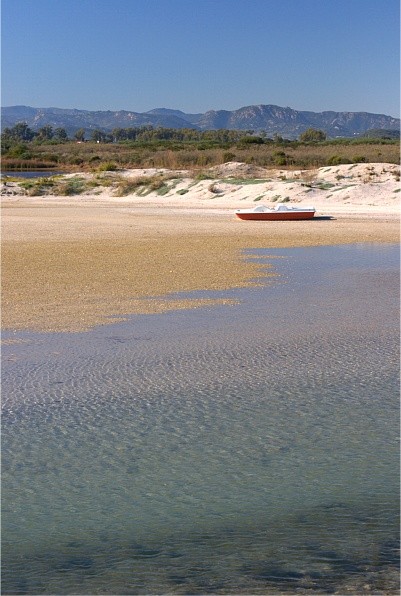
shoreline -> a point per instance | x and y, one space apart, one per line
71 263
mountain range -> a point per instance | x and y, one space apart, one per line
271 119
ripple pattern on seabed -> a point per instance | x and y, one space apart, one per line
233 450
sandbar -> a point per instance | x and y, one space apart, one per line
71 263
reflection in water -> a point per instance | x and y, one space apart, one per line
249 449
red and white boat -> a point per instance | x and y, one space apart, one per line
280 212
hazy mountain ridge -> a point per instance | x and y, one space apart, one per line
271 119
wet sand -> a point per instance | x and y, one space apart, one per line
68 265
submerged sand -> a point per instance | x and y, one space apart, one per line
70 263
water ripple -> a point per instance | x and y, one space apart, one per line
232 451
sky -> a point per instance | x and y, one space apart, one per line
199 55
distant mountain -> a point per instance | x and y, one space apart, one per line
271 119
166 112
72 120
291 123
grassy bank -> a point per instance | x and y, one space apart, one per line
90 156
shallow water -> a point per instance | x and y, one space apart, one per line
31 173
242 449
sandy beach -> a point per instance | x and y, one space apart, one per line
72 262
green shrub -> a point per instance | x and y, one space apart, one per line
336 160
38 186
228 156
20 151
312 135
108 167
52 157
163 190
203 176
74 186
143 186
129 186
251 141
279 158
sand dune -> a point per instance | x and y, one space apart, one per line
343 189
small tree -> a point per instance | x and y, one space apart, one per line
312 135
19 132
80 135
60 134
118 134
45 133
98 136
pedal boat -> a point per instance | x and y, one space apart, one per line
280 212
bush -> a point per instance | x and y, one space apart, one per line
163 189
336 160
108 167
203 176
143 186
19 150
129 186
52 157
279 158
312 135
228 156
251 141
76 161
74 186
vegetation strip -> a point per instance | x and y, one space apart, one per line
25 149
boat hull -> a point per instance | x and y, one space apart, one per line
276 216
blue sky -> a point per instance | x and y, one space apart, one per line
197 55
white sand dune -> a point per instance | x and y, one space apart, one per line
351 189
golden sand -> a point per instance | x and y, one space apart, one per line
69 266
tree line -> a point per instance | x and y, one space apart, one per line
21 132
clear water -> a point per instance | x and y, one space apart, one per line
238 449
30 173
